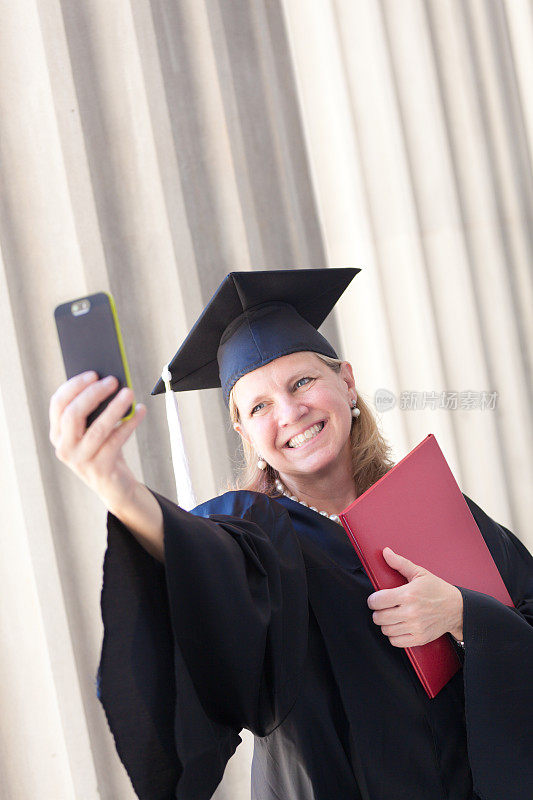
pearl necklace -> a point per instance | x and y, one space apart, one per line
281 488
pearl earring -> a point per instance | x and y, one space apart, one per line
261 463
355 411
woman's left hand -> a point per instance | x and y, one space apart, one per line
419 611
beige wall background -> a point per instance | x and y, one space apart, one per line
148 148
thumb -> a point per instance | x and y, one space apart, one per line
401 564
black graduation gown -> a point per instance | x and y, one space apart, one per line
258 620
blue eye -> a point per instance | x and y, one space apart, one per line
298 385
299 382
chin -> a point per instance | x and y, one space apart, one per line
314 464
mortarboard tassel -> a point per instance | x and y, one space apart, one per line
185 492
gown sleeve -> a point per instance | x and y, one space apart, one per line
498 671
211 642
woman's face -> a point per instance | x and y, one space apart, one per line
296 414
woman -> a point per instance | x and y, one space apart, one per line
254 611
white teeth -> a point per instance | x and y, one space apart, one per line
296 441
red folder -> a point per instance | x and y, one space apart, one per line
417 509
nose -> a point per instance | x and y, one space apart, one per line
290 410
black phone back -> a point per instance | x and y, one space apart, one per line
90 339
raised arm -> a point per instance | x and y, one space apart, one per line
95 454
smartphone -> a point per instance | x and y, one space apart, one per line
90 339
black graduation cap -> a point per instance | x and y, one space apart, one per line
253 318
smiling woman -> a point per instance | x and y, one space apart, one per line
369 457
253 610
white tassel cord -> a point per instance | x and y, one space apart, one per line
185 492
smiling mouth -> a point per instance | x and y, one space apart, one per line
306 436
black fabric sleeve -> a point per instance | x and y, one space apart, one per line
498 671
194 650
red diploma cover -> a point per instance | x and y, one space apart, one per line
418 510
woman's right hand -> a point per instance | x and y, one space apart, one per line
95 453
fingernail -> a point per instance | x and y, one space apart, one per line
89 376
109 380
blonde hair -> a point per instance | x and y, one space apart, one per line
371 457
